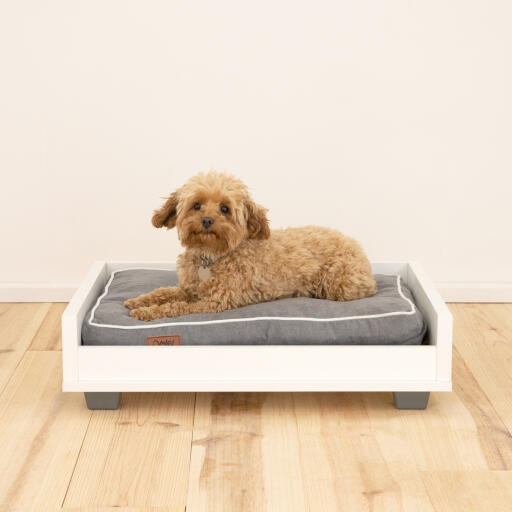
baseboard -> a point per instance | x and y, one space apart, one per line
451 292
36 292
475 292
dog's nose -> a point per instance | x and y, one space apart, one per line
207 222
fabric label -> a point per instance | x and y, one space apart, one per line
172 339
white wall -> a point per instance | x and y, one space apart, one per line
388 120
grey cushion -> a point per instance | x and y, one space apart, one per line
388 318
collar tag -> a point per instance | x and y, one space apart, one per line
204 273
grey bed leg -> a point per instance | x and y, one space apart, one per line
411 400
102 400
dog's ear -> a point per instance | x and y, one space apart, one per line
257 222
166 216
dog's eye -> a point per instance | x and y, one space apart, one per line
224 208
197 206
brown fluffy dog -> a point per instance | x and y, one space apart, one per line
232 259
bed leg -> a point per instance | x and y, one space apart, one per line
411 400
102 400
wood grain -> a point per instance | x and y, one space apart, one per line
48 336
41 432
494 438
294 452
226 459
469 491
18 326
118 509
483 337
342 464
443 438
136 456
255 451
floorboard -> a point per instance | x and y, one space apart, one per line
469 491
48 336
18 325
251 452
137 455
41 433
483 337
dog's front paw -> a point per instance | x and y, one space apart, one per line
144 313
132 303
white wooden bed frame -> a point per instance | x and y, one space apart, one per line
410 371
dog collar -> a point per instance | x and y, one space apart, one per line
206 261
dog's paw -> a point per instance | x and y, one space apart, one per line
132 303
137 302
144 313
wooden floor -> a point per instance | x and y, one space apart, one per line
247 452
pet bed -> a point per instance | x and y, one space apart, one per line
95 365
388 318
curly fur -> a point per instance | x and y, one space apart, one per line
251 263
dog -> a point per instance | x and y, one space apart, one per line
233 259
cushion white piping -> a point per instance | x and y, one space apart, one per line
250 319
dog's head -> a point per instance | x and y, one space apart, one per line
213 213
